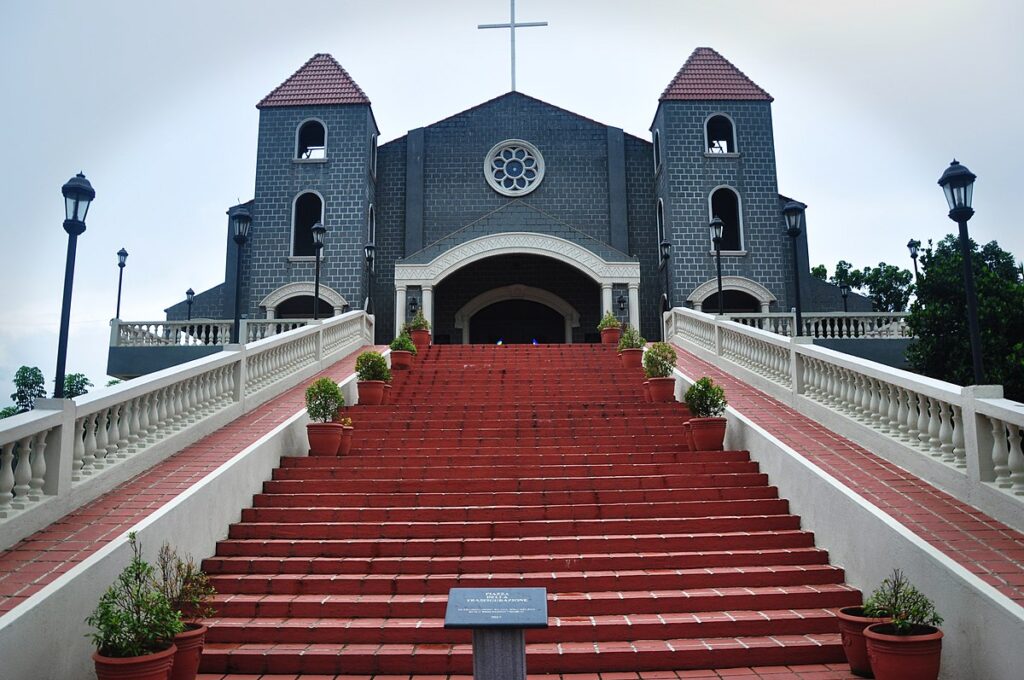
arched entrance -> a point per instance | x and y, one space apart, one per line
295 301
570 318
739 292
734 302
301 307
517 322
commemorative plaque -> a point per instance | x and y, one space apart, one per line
498 617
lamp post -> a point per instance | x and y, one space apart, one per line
794 212
665 248
369 251
78 194
844 289
190 296
717 227
318 245
957 183
913 246
122 256
241 221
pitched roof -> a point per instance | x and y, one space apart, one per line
321 80
709 75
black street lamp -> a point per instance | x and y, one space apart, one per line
794 212
122 256
78 194
318 245
369 251
190 296
666 253
844 289
914 246
241 221
414 305
621 300
958 184
717 227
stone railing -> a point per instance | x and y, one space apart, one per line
965 440
196 333
67 452
831 324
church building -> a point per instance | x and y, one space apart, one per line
514 220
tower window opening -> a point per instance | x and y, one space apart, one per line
725 204
308 211
721 136
312 143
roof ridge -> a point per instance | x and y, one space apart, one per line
321 80
708 75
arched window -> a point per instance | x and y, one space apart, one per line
373 156
660 218
720 135
725 204
657 151
311 141
308 210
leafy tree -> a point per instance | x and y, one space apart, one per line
8 411
938 317
28 386
845 273
75 385
888 286
113 381
820 272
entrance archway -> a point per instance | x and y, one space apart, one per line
301 307
735 302
517 322
752 290
288 299
465 317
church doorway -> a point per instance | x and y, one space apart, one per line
517 322
301 307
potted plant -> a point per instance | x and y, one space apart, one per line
323 399
659 360
135 625
419 329
707 403
852 622
909 646
631 347
346 435
188 590
610 327
372 370
403 349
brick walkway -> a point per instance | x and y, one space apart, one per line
30 565
984 546
810 672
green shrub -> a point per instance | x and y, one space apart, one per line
185 585
372 366
608 321
323 399
133 618
659 360
417 323
404 343
631 339
705 399
907 606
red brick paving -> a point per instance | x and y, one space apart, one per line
986 547
810 672
31 564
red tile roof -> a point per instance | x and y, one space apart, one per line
709 75
321 80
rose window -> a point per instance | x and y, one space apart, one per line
514 167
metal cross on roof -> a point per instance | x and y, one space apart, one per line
512 25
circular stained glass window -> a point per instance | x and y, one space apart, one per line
514 167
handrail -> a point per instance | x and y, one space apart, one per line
869 325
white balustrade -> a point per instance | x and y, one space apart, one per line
82 447
196 333
966 441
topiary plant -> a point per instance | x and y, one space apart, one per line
133 618
417 323
372 366
705 399
608 321
631 339
909 608
403 343
323 399
659 360
185 585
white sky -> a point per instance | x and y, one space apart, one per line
156 103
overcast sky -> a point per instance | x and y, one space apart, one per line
155 102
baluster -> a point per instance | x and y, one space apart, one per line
6 478
1000 454
883 408
23 474
163 405
912 417
38 466
102 440
945 433
124 427
113 431
901 414
1016 462
89 459
135 423
934 443
78 450
922 421
871 402
959 452
145 424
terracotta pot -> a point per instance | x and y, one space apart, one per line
708 433
155 666
346 440
610 336
371 392
386 397
662 389
647 390
904 657
324 438
421 339
190 647
852 623
632 358
401 360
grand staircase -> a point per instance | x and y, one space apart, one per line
512 466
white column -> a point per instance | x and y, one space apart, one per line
634 305
271 311
606 298
399 308
428 304
568 331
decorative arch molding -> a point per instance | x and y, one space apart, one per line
301 288
740 283
516 243
517 292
